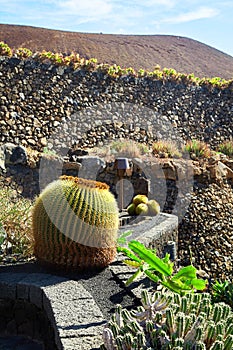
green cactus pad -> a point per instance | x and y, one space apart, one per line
75 223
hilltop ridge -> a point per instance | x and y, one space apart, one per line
183 54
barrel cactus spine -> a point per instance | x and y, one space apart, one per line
75 224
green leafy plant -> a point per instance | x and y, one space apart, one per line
5 50
22 52
160 270
168 321
56 58
169 72
141 72
91 64
226 148
223 292
197 149
214 82
116 71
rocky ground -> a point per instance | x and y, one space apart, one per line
206 232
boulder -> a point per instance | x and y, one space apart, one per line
90 166
11 154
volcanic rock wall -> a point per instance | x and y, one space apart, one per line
41 103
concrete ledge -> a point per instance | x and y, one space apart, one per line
75 317
155 231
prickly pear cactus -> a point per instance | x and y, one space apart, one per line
171 322
75 224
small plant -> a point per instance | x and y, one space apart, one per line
141 205
5 50
130 71
141 72
115 70
128 148
22 52
160 270
169 72
75 223
223 292
15 223
197 149
226 148
56 58
49 152
91 64
165 149
171 322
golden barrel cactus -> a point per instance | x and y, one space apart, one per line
75 224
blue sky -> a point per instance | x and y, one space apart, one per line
210 22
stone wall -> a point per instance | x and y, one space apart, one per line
19 317
169 181
43 103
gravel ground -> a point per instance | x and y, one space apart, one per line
207 231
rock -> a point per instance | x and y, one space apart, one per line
228 172
206 230
90 166
11 154
43 141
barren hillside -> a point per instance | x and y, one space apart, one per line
137 51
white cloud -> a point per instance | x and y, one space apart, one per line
201 13
86 8
167 3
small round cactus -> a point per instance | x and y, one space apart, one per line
141 209
153 207
141 205
75 223
140 198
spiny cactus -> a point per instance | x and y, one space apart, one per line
75 224
223 291
171 322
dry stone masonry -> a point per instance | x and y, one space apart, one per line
91 106
43 105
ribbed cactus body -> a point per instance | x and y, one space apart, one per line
167 322
75 223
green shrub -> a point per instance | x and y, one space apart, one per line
22 52
5 50
226 148
197 149
223 292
